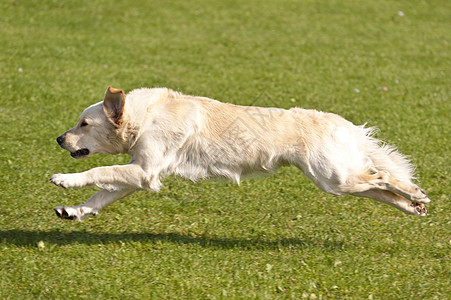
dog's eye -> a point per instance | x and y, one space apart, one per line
83 124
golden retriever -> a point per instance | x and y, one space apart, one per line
166 132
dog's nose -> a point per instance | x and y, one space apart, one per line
60 140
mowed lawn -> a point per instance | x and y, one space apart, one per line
275 237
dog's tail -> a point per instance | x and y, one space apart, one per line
383 157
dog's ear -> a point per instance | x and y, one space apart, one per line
113 105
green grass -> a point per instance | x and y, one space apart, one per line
272 237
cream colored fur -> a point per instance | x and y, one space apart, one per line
166 132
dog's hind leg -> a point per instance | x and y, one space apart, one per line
92 207
383 181
395 200
407 190
407 197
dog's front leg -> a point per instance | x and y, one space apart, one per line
92 207
112 178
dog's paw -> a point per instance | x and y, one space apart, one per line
66 180
420 209
57 179
67 213
77 213
420 196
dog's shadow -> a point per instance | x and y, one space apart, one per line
24 238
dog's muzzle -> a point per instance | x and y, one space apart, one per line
76 154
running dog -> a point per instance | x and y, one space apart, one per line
166 132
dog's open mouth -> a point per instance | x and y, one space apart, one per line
80 153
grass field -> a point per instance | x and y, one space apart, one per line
276 237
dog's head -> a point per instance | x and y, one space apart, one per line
96 130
